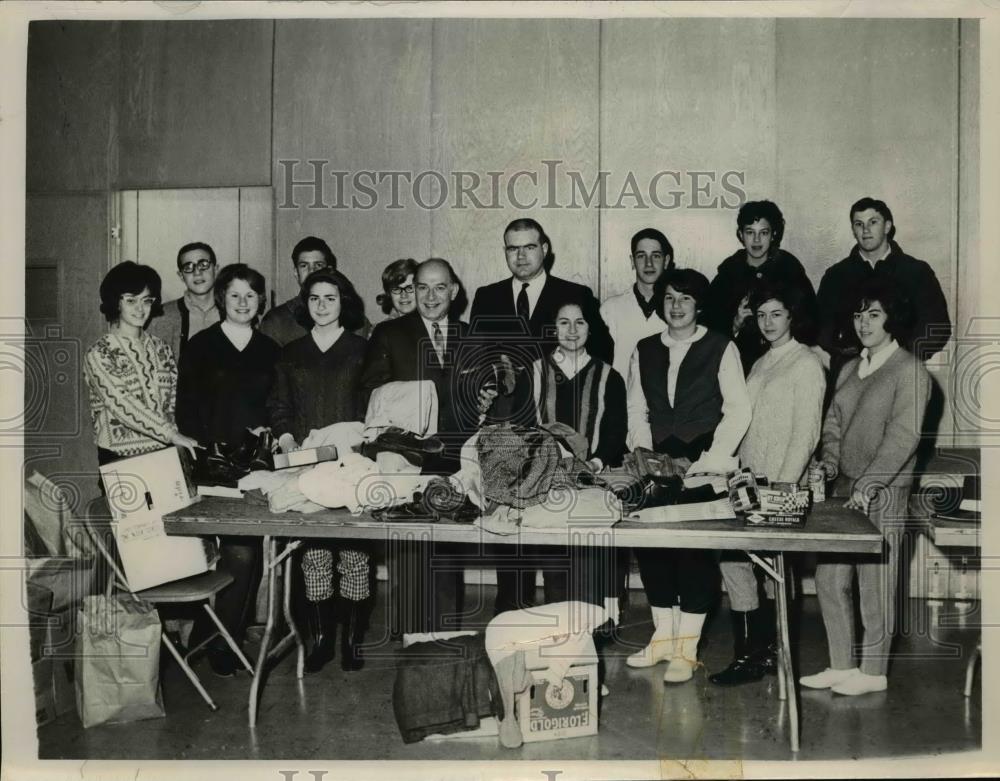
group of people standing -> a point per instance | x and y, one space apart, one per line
705 372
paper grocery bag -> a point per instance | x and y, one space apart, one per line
117 667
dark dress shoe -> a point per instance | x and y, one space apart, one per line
223 662
411 512
263 455
215 468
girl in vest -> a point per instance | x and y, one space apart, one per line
870 437
316 385
687 399
786 387
223 383
584 394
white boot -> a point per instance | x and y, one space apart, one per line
685 658
661 644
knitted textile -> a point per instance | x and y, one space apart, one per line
519 465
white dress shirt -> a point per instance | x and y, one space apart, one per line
869 363
534 290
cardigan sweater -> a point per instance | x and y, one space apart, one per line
786 387
313 388
873 426
222 391
592 402
170 325
132 385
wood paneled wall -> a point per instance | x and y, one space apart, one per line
811 113
195 105
355 95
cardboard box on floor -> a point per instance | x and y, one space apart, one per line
141 490
546 712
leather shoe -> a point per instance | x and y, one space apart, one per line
223 662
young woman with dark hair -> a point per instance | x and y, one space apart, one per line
316 385
870 437
786 387
572 387
131 376
225 377
687 399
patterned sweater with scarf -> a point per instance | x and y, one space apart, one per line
133 388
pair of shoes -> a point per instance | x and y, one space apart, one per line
751 635
860 683
406 443
223 662
743 669
827 679
321 624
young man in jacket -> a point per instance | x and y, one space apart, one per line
760 227
876 254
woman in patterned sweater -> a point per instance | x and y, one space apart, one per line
316 385
131 376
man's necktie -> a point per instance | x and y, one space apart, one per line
522 302
438 338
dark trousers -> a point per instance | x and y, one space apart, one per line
240 557
673 576
426 586
570 572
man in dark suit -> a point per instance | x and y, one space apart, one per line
427 345
509 317
509 320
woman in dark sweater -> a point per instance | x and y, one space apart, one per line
317 381
587 396
225 376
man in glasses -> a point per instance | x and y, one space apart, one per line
195 310
287 322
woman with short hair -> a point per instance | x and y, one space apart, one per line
131 376
786 387
870 438
316 385
225 377
687 399
398 296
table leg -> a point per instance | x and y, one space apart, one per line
270 546
785 657
301 658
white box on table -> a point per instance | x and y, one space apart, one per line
140 491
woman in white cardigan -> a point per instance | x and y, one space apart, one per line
786 387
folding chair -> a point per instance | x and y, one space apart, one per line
197 588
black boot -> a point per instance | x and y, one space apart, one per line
763 637
354 623
321 619
744 668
